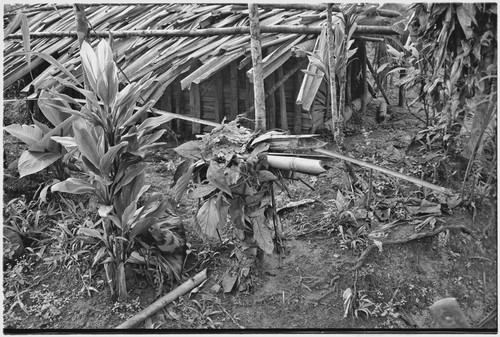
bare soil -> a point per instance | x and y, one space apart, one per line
301 288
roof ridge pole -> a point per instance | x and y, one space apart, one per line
336 120
258 82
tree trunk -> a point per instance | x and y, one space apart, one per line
258 82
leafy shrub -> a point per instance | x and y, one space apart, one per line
112 148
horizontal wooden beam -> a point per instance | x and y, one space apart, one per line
286 29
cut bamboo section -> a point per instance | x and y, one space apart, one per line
295 164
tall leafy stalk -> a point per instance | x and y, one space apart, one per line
112 146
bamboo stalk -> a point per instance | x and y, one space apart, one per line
165 300
258 81
287 29
414 180
331 67
282 100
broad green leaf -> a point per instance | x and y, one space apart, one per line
73 185
87 144
182 182
262 234
264 175
208 217
128 215
202 191
109 157
132 172
29 134
148 140
153 122
141 226
216 177
47 144
190 149
466 17
102 252
67 142
33 162
107 84
54 110
90 64
91 232
134 118
237 213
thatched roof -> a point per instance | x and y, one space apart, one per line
168 56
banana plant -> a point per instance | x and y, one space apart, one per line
112 146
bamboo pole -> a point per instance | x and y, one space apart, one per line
365 80
258 82
333 86
282 100
286 29
195 106
416 181
233 81
164 301
219 97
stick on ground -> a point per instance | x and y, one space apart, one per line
162 302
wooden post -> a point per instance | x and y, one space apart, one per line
178 104
333 86
233 81
402 96
258 82
195 106
219 97
165 102
364 79
271 103
297 121
282 100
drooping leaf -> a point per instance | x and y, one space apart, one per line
67 142
237 213
87 144
208 217
29 134
262 234
141 226
153 122
264 175
109 157
54 110
52 61
216 177
132 172
74 186
182 182
466 17
33 162
203 191
190 149
91 232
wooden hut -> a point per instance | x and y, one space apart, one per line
199 53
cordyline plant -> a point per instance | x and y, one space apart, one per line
231 179
112 146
